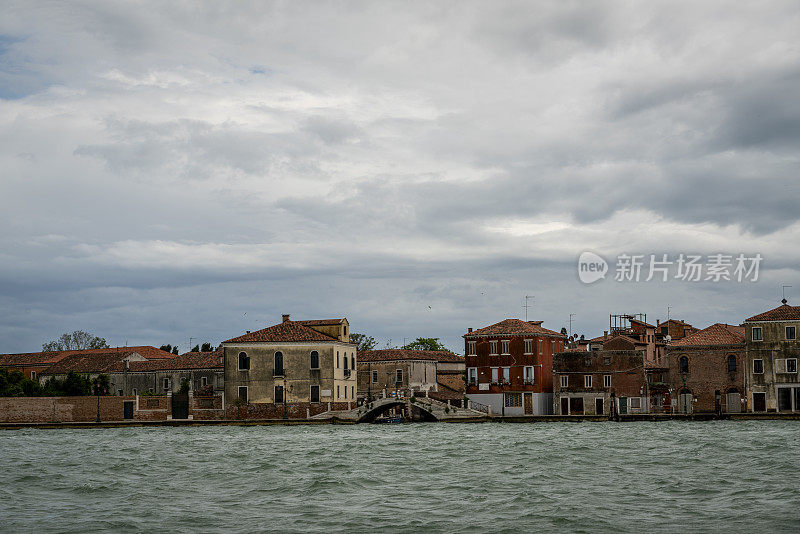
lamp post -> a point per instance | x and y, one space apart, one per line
97 392
285 407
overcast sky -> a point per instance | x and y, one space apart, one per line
174 170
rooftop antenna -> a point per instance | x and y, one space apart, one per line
783 288
668 309
526 306
190 343
571 315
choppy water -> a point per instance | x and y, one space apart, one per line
629 477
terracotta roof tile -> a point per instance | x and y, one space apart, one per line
46 358
320 322
88 362
189 360
285 332
513 327
716 334
784 312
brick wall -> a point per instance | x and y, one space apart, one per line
60 409
708 372
275 411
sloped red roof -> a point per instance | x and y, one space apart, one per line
31 358
784 312
618 342
638 321
716 334
189 360
405 354
513 327
92 362
320 322
285 332
147 351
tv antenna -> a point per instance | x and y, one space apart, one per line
526 306
668 310
783 288
571 315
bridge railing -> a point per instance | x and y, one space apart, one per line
478 406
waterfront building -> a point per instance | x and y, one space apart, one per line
90 363
33 364
404 372
600 381
201 370
301 363
675 329
772 352
707 370
510 366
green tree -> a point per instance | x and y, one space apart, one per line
175 349
207 347
101 385
184 386
363 341
166 348
78 340
196 348
425 343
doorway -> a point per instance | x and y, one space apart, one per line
127 410
528 403
598 406
759 402
180 405
685 401
564 406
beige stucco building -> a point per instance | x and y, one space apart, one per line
292 362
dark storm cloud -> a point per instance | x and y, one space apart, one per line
417 167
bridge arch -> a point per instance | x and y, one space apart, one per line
382 406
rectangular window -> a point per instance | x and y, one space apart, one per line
635 402
757 333
352 392
119 392
528 346
529 375
506 375
606 381
314 360
243 393
33 375
493 348
471 345
472 375
203 381
505 345
399 377
338 393
513 400
314 393
374 377
337 359
587 381
758 367
495 375
541 345
784 399
791 365
278 394
791 332
166 384
564 381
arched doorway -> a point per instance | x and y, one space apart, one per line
685 399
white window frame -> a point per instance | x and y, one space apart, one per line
471 348
528 346
786 332
606 381
529 374
782 365
239 361
587 381
398 373
166 382
493 348
793 365
754 366
374 377
203 381
495 375
564 381
33 375
760 336
506 375
472 375
541 347
638 403
505 347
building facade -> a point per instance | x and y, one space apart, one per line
202 371
397 372
600 382
293 362
707 370
510 366
773 349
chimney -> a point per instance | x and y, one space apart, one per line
469 330
285 317
605 335
658 322
248 331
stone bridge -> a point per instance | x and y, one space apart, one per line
422 409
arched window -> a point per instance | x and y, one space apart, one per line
731 363
352 362
278 364
684 362
314 359
244 362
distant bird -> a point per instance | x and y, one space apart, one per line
430 308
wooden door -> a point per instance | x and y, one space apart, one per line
733 403
759 402
564 406
598 406
127 410
528 403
